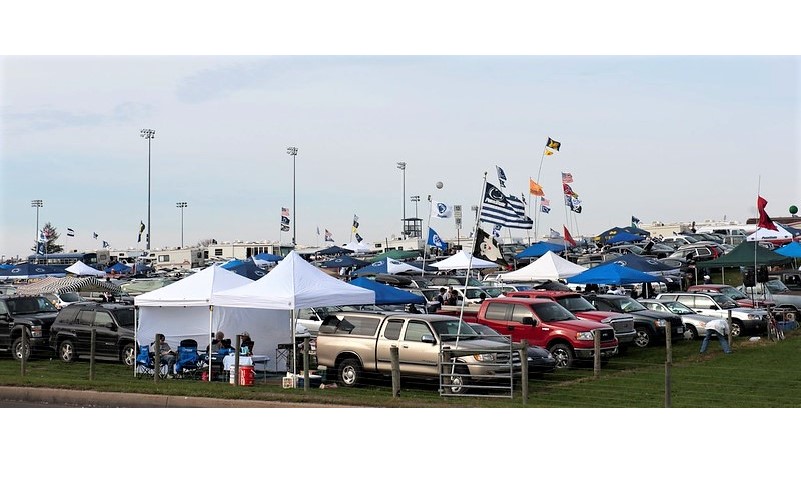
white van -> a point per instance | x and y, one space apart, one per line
732 234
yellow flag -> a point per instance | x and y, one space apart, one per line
535 189
548 152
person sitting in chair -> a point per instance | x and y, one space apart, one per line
165 353
216 342
246 344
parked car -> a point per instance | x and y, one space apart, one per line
540 360
32 315
650 325
694 323
741 298
695 253
718 305
60 300
113 324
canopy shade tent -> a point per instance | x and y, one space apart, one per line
745 254
81 269
613 274
644 264
461 260
636 231
386 266
334 250
268 257
767 234
624 237
397 255
423 266
118 267
604 236
358 247
539 249
68 284
550 266
344 261
29 270
387 294
792 249
246 268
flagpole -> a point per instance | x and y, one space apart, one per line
428 232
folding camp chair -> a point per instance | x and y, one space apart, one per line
188 363
144 363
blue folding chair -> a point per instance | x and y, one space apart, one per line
144 363
188 362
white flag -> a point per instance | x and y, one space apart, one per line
441 210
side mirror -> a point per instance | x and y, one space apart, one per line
428 339
529 321
110 326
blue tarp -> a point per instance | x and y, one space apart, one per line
613 274
246 268
388 295
539 249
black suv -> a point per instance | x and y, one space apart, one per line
71 334
649 324
32 315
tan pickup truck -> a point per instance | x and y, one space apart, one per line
358 344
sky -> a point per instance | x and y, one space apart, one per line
661 137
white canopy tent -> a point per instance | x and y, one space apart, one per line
767 234
182 310
81 269
461 261
358 247
293 284
550 266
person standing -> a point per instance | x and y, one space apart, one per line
717 328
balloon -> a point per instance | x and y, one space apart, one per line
793 209
439 185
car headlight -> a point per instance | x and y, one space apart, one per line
484 358
584 336
36 331
661 323
754 316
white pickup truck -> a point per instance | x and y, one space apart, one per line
357 344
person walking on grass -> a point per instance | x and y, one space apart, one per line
717 328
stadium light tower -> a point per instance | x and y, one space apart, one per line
182 206
38 203
402 166
148 134
293 151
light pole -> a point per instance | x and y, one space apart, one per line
402 166
416 199
38 203
293 151
182 206
148 134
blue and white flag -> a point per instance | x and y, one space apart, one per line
441 210
70 232
496 231
435 241
41 244
501 176
105 244
503 210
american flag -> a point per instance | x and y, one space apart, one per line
284 212
567 177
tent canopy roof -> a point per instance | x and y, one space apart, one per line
548 267
745 254
194 290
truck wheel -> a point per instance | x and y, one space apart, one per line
736 328
563 354
350 372
459 381
128 355
66 351
643 338
16 350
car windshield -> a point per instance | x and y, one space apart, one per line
576 304
449 329
777 286
71 297
30 304
628 304
733 293
678 308
724 301
552 311
493 292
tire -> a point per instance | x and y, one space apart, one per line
643 338
16 350
349 373
693 333
736 328
66 351
128 355
459 382
564 355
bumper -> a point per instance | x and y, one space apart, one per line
626 338
606 352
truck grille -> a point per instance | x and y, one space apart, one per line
623 325
607 335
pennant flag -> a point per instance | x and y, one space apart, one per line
434 240
554 234
441 210
548 152
284 228
553 144
95 233
568 238
358 238
486 248
70 232
105 244
567 177
764 220
535 189
328 237
507 211
496 231
501 176
634 221
284 212
285 221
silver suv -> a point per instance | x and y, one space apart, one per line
743 320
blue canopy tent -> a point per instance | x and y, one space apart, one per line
118 268
6 266
268 257
344 261
29 270
386 266
613 274
539 249
334 250
419 264
388 295
792 249
644 264
246 268
624 237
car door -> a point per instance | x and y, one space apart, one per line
105 334
703 305
390 336
415 355
83 331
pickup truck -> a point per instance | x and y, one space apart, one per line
777 292
545 323
358 343
32 315
623 323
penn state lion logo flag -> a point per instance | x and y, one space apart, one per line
434 240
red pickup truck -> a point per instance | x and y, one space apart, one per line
545 323
579 306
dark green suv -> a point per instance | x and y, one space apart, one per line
113 324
